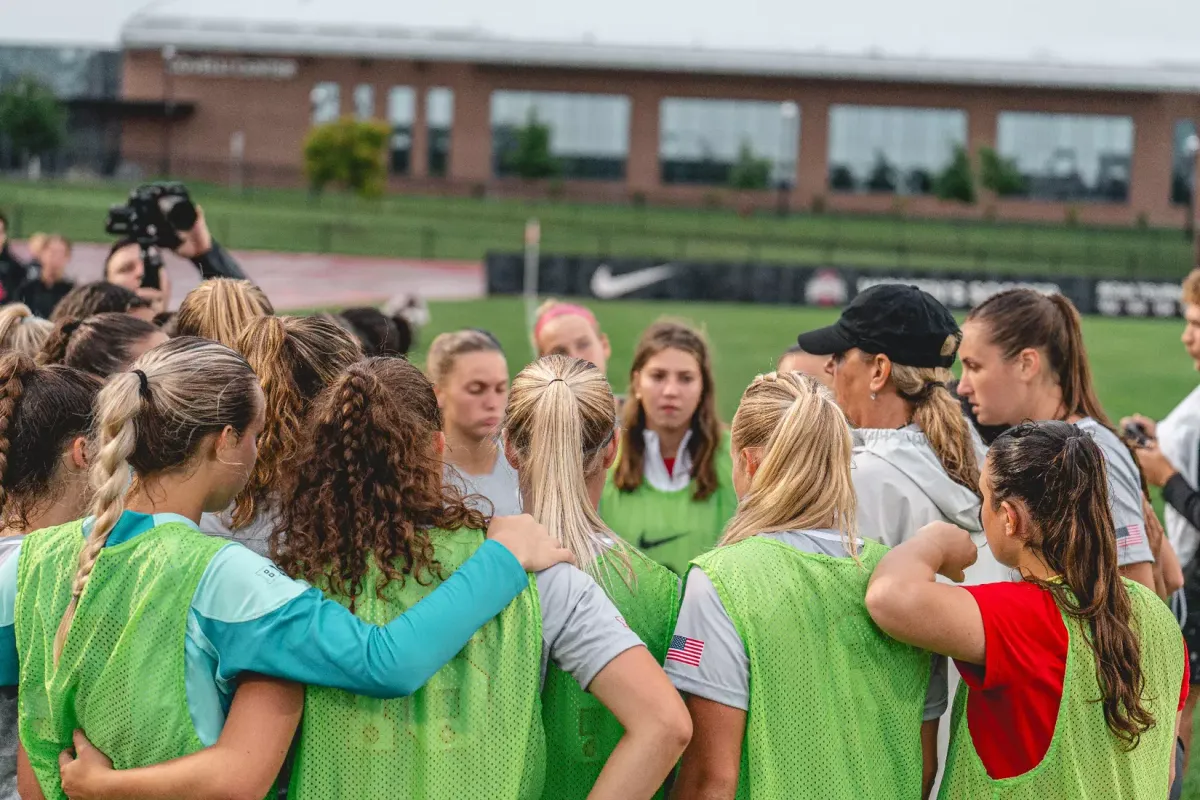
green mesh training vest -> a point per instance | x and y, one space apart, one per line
1085 760
835 705
121 677
473 732
671 527
580 732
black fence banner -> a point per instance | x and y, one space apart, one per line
808 285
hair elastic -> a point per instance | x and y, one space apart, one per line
145 387
556 380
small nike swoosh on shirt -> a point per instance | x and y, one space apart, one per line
650 544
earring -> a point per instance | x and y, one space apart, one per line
873 395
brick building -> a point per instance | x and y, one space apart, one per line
1097 144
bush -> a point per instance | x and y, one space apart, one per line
532 157
883 176
749 171
1000 175
956 182
348 153
31 117
841 178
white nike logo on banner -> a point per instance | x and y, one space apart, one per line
606 286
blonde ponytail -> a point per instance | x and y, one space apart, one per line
803 479
119 404
560 418
940 418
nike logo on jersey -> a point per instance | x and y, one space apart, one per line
607 286
650 544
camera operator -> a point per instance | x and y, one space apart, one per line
135 261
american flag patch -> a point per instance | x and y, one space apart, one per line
685 650
1131 535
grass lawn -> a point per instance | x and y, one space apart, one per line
1139 365
466 228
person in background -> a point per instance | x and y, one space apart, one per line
793 692
568 329
377 333
37 241
671 491
43 292
220 309
12 269
22 332
1023 358
1169 457
184 424
125 267
470 378
560 433
295 359
100 297
100 345
797 359
1074 676
46 415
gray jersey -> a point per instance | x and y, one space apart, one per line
256 535
500 487
1124 495
9 547
581 628
723 672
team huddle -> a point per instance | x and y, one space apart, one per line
245 559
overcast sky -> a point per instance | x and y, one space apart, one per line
1091 31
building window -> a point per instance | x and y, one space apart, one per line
326 103
744 143
1068 157
588 134
439 120
401 105
1183 164
364 101
892 150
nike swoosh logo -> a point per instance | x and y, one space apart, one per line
650 544
607 286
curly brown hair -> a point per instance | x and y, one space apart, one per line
368 482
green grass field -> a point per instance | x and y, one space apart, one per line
467 228
1139 365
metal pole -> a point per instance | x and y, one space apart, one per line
533 239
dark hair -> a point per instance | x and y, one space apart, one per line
368 482
1057 474
99 345
4 221
112 251
379 334
42 409
98 297
706 427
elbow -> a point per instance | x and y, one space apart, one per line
670 729
886 603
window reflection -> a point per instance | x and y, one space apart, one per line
748 144
439 120
1069 157
401 100
892 150
588 135
326 102
1183 163
364 101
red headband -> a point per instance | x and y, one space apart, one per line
563 310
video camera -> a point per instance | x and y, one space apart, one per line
152 217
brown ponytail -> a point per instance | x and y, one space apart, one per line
368 483
1057 474
54 351
706 426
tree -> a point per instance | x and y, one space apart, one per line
350 153
32 118
749 171
956 181
999 174
883 175
532 156
841 178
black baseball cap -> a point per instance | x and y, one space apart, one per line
907 325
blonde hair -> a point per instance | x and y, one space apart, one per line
21 331
447 347
803 480
220 309
560 418
295 359
147 423
940 418
1191 288
36 242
